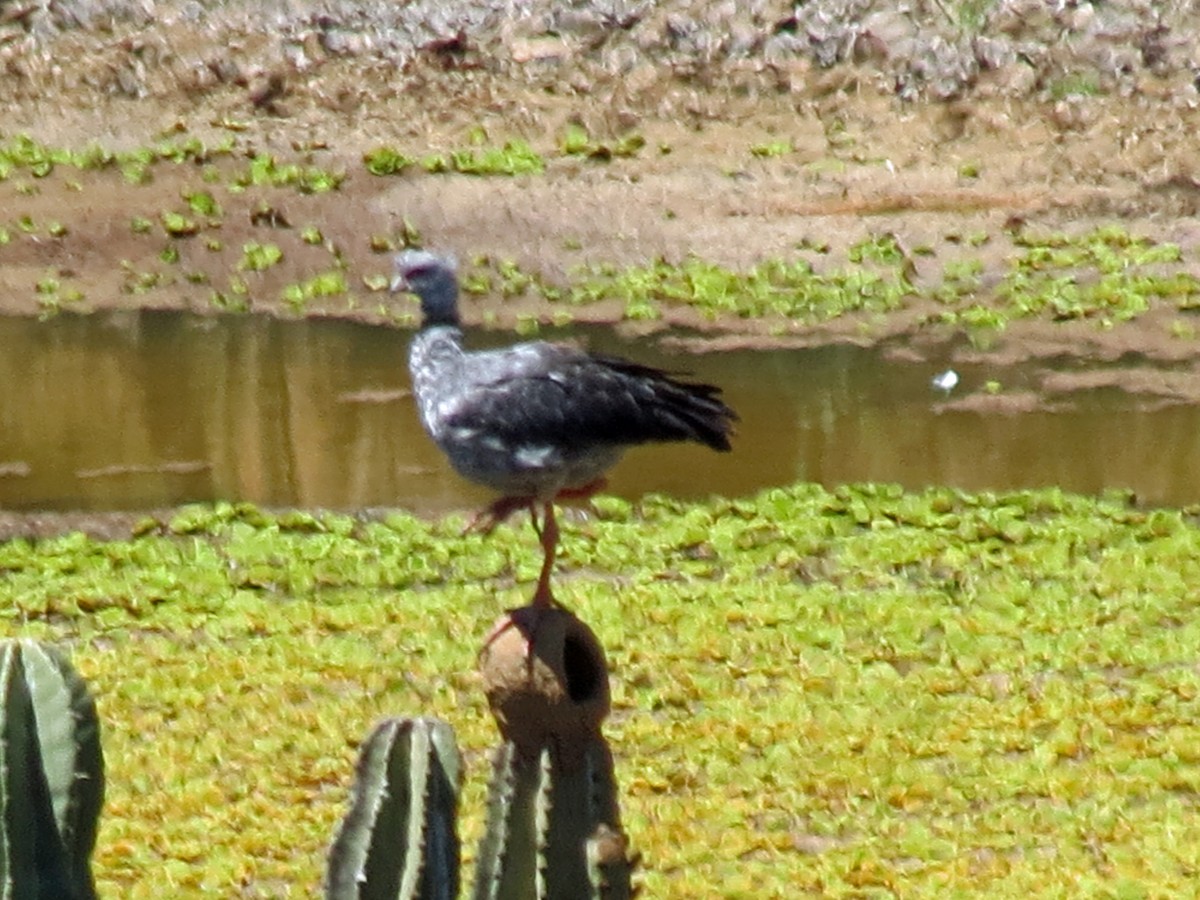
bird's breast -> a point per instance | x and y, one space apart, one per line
435 365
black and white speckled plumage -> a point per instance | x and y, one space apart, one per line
538 418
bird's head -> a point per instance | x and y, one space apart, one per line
433 279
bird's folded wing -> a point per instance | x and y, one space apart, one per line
543 393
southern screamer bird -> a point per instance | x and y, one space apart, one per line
538 421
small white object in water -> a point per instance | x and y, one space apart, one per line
946 381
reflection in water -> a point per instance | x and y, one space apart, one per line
142 409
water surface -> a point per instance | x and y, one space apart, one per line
146 409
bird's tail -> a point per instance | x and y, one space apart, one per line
680 410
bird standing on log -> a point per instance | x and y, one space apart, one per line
538 422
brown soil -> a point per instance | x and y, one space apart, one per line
864 162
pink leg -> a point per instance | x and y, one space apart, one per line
486 520
547 531
585 492
542 597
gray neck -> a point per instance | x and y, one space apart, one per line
435 351
439 301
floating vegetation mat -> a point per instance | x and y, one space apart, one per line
854 692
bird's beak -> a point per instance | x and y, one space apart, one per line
398 284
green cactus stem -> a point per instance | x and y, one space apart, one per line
51 776
543 819
553 824
400 839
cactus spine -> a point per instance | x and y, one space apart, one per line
543 815
51 776
400 839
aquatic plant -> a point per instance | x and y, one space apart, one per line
265 169
177 224
1183 330
202 203
954 683
1105 274
789 289
324 284
228 302
576 141
257 257
771 149
514 157
386 161
136 165
52 296
23 152
139 281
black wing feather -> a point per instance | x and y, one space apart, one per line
552 394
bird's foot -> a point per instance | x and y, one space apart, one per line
487 519
528 618
527 621
543 597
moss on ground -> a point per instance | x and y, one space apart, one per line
856 692
1104 276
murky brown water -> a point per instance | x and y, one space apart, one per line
144 409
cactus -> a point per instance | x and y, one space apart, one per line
548 826
553 826
542 819
400 839
553 830
552 823
51 776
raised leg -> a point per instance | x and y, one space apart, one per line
585 492
542 597
487 519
